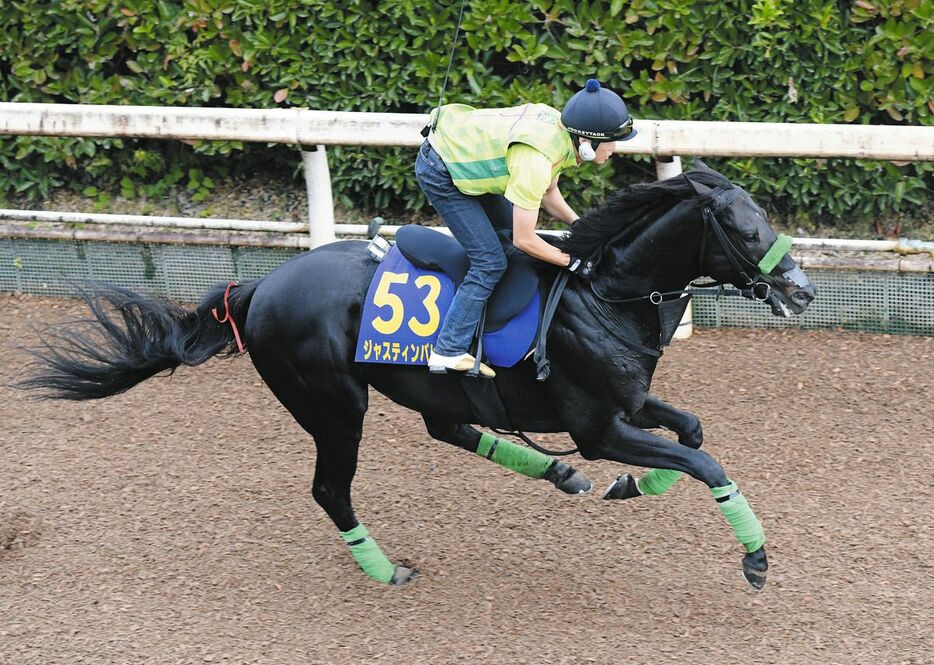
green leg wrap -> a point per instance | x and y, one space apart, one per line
736 508
369 556
522 460
658 481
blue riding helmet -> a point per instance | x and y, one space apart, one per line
598 114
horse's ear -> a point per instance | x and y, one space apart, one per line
701 166
699 187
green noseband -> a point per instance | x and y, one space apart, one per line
775 254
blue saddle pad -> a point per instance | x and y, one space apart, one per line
405 305
427 248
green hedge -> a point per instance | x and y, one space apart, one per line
868 61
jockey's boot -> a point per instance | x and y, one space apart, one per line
438 364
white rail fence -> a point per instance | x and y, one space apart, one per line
665 140
311 131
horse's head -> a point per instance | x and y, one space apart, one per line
739 246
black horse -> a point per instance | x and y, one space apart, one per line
300 324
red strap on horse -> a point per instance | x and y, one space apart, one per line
228 317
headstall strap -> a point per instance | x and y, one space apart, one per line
711 219
703 245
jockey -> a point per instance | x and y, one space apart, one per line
488 169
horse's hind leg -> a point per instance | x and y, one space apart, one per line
626 443
523 460
332 412
656 413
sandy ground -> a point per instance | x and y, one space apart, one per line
175 524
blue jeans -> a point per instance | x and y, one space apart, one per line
473 221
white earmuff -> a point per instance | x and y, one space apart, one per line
586 151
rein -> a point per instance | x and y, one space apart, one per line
711 222
658 297
754 289
544 451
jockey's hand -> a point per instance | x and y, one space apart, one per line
581 267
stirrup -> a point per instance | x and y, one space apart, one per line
438 364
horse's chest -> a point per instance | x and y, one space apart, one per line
612 376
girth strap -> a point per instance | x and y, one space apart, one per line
486 402
484 398
542 364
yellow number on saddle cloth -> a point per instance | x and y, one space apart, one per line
402 312
384 297
431 306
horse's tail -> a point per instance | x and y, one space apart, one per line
131 337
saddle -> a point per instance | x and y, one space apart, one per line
432 250
412 290
512 319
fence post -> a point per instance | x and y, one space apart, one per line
669 167
320 198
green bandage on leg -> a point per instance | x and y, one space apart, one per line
369 556
526 461
657 481
736 509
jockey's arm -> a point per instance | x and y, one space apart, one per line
525 238
529 182
554 204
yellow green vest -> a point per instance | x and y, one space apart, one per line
473 142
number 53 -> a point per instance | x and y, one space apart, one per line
383 297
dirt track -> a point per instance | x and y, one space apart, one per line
175 524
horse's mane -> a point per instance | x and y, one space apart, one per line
636 206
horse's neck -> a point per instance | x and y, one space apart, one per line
663 258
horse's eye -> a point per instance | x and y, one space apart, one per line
752 236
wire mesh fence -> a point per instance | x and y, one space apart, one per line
179 272
901 303
891 302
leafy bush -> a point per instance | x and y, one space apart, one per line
868 61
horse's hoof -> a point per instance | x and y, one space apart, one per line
403 575
755 565
568 479
624 487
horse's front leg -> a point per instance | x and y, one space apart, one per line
656 413
626 443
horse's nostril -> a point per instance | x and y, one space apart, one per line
802 297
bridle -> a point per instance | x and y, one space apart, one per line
753 287
724 198
736 257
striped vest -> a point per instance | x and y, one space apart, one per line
473 142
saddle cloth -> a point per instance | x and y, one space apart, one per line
411 292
